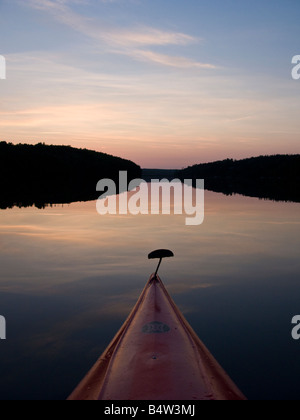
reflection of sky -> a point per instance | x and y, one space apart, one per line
69 277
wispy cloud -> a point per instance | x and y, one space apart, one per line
133 42
168 60
146 36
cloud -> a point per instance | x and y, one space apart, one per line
62 12
147 36
167 60
134 42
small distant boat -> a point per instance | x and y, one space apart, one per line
156 356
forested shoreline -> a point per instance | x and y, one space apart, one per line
42 174
271 177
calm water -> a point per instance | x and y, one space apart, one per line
69 277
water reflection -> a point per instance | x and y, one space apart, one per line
69 277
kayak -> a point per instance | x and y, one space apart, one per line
156 356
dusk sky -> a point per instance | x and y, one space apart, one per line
165 83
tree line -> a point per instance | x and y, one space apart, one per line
272 177
41 174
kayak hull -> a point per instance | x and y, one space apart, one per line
156 356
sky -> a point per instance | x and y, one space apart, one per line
166 83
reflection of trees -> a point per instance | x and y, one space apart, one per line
271 177
44 174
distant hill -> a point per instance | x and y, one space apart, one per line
149 174
271 177
41 174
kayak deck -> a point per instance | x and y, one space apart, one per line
156 356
